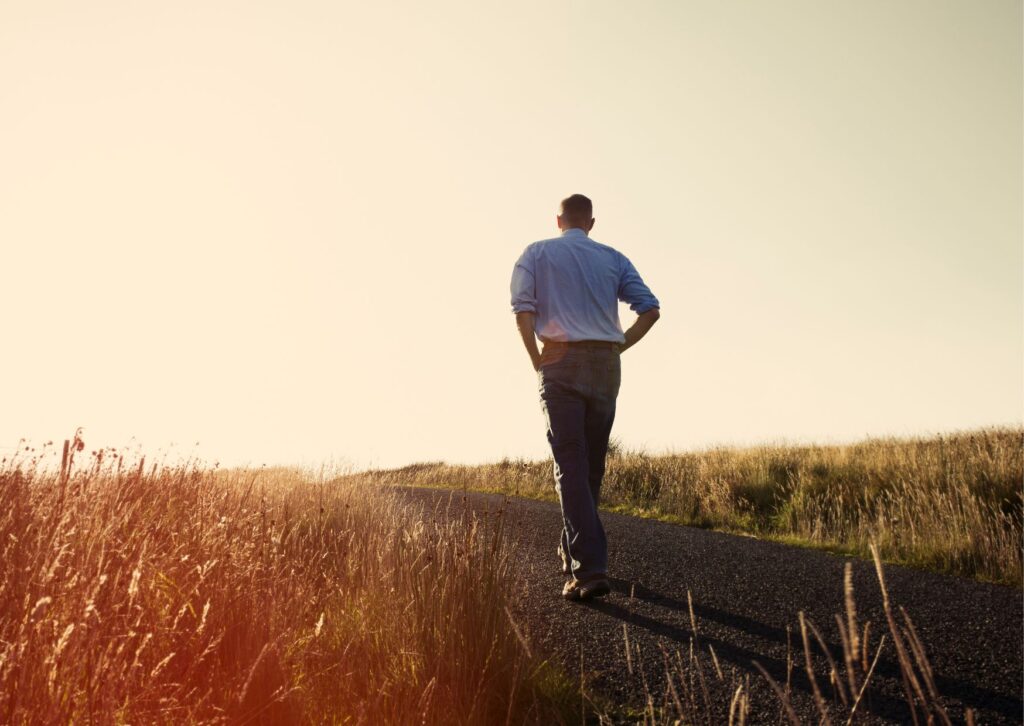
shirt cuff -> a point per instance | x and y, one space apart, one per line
644 307
524 307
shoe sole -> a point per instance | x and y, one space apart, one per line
600 589
596 589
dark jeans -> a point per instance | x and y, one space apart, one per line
578 388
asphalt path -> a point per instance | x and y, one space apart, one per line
746 595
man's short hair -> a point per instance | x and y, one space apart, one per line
577 207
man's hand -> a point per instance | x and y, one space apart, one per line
644 322
525 322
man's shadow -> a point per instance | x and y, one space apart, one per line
743 658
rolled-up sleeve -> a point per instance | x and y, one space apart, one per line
524 286
633 291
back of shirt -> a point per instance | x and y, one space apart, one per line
573 285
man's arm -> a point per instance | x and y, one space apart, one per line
641 300
644 322
525 321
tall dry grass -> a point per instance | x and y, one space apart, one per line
951 503
185 595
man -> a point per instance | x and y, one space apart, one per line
566 291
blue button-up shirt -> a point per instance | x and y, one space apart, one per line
573 285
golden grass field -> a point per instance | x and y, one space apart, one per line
186 594
951 503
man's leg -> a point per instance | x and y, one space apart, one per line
597 426
583 535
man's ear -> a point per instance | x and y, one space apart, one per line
558 221
591 225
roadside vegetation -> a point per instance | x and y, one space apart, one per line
951 503
185 594
134 594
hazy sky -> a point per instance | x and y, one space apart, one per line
286 230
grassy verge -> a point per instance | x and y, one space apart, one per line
184 595
951 503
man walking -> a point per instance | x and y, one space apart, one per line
566 291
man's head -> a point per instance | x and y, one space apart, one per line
576 211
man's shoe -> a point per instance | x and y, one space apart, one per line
566 564
585 589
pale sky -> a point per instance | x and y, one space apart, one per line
286 230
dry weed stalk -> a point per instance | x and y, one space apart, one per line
850 676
